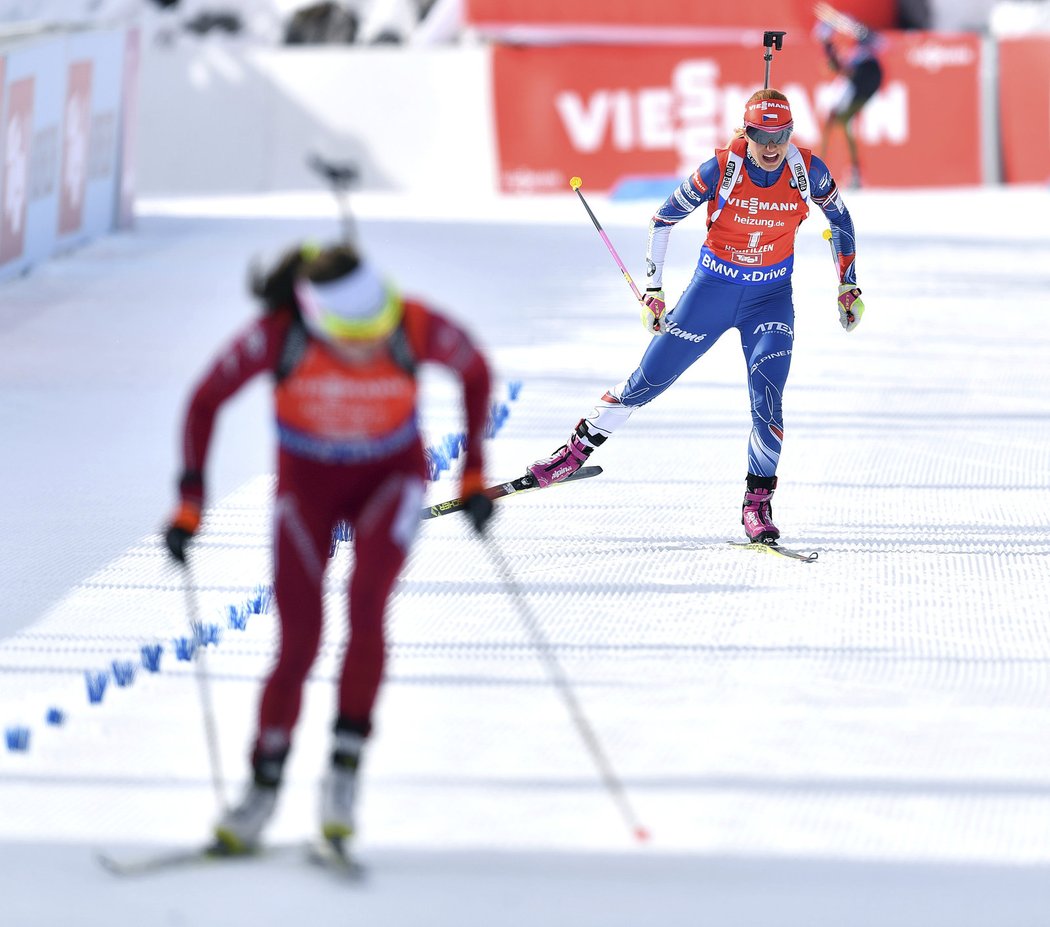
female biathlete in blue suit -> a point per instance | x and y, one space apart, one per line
757 193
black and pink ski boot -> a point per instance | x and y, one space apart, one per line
757 513
568 458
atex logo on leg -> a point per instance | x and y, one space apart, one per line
767 327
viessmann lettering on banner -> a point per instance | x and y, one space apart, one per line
607 112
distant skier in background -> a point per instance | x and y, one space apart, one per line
757 192
342 346
863 76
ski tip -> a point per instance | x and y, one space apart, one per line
582 474
333 854
803 556
107 862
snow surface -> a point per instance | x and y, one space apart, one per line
857 741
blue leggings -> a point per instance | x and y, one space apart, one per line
709 307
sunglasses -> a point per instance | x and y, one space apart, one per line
762 137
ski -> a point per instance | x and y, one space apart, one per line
521 484
183 858
806 556
333 855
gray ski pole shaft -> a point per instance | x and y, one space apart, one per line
200 671
538 638
829 238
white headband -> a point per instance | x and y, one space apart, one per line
355 297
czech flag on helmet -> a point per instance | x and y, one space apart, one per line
768 115
360 306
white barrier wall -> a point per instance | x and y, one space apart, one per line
65 138
231 119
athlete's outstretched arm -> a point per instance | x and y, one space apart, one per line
827 196
691 193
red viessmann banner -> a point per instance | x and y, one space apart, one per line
608 112
572 16
76 131
14 199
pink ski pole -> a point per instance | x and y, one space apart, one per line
576 183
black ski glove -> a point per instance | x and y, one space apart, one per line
178 538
